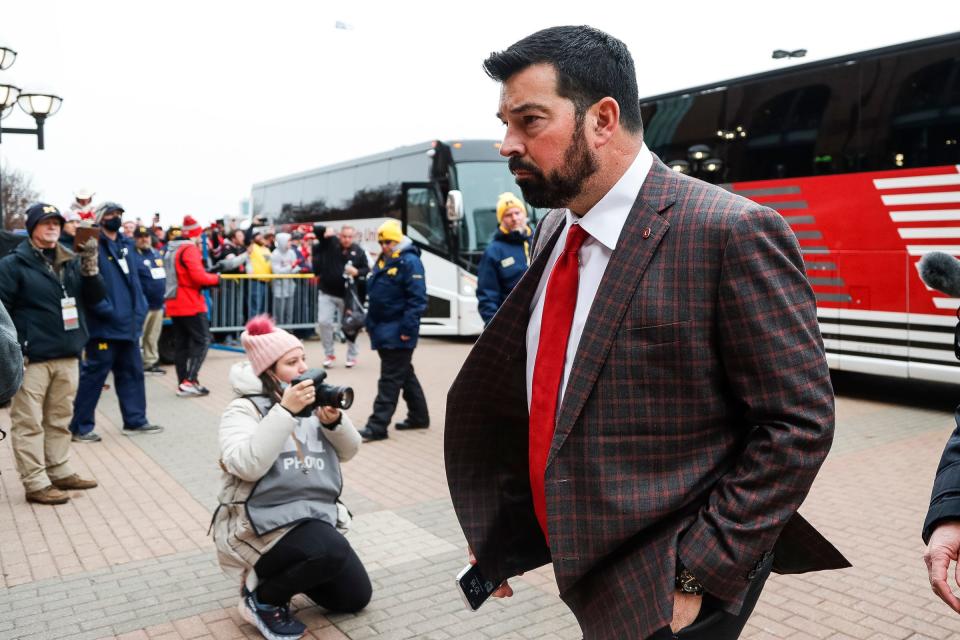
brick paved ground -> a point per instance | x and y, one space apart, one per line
131 559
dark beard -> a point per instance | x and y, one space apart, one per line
558 189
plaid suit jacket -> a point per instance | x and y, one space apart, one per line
697 413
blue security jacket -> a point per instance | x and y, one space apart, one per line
397 294
501 267
120 315
153 288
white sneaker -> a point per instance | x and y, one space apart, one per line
188 390
350 363
329 361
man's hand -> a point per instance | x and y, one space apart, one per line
504 590
351 270
89 253
686 607
944 546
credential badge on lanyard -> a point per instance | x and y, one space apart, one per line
123 262
68 308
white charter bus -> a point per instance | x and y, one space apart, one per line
444 193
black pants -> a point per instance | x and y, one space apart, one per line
191 340
396 374
315 559
713 623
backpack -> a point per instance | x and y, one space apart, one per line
354 317
9 242
170 266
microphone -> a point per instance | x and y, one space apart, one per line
941 271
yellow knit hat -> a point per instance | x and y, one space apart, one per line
390 230
506 201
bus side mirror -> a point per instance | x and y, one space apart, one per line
454 206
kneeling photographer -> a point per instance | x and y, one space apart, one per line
280 523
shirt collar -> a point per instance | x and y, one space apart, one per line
605 220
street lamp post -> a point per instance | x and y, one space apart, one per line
38 105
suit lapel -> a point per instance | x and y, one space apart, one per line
641 235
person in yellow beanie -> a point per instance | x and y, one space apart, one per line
506 258
397 294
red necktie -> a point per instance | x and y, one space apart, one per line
558 308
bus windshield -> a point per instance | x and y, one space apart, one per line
481 184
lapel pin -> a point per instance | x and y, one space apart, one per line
646 233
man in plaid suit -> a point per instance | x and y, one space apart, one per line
651 404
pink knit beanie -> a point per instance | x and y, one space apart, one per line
265 343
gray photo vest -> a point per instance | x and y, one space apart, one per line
301 485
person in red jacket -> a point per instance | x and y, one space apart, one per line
188 310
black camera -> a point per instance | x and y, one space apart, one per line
327 394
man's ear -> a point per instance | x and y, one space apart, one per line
605 120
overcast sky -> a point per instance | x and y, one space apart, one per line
179 107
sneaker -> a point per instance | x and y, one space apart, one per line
329 361
154 370
274 623
147 428
407 425
86 437
369 435
48 495
188 390
350 363
74 482
202 390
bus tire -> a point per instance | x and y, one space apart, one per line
165 346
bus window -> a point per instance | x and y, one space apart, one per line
281 198
925 122
425 221
481 184
676 125
341 187
783 132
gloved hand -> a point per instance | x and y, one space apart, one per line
215 268
89 253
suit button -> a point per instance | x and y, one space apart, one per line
752 574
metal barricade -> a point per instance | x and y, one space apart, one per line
290 299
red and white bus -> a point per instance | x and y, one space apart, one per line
861 155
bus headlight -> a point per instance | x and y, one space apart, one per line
468 284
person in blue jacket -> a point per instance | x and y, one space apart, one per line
153 281
506 258
115 325
397 297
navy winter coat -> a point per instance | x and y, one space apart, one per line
120 315
501 267
31 292
153 288
397 294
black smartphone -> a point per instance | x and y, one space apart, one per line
474 588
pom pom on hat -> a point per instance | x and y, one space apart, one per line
191 228
265 343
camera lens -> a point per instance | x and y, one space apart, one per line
331 396
346 398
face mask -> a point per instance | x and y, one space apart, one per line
113 224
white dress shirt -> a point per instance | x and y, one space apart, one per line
603 222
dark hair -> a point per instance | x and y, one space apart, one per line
271 388
590 64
